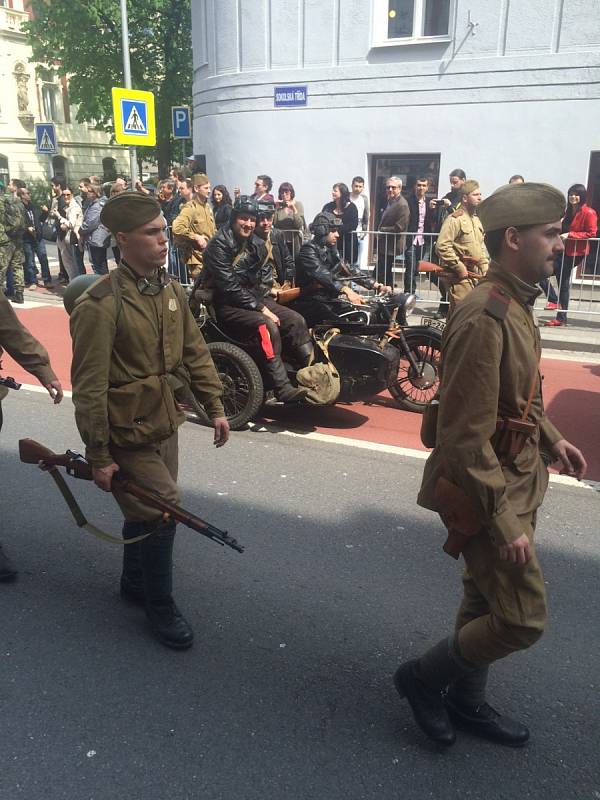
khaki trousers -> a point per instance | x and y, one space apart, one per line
153 467
504 605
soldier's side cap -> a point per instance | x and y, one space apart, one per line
199 179
518 204
469 186
129 210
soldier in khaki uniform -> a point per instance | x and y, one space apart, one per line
194 226
135 345
460 245
32 356
490 356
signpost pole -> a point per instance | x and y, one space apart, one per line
127 76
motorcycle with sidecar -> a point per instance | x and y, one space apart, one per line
371 346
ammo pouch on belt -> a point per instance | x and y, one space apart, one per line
510 438
143 412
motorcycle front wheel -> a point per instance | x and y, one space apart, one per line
414 388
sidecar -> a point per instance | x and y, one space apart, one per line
365 368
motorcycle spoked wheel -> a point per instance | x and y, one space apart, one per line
411 390
243 391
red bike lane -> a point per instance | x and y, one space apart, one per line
571 392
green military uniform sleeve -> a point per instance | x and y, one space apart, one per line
205 383
549 434
445 244
22 346
93 332
467 422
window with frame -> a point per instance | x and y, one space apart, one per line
403 21
51 96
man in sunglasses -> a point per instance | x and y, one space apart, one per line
394 222
137 352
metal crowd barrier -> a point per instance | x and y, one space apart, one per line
576 280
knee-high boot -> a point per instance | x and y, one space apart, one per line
167 622
284 390
132 579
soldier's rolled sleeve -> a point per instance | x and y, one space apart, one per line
22 346
205 383
92 332
549 434
467 421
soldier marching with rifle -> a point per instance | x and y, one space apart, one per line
137 353
487 475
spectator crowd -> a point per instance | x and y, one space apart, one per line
407 227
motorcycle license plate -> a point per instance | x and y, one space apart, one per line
438 324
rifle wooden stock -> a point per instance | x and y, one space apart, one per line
285 296
429 266
32 452
457 514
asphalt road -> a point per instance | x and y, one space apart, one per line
287 692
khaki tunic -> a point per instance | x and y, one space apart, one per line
487 369
194 219
22 346
121 358
461 236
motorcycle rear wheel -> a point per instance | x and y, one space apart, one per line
243 390
411 390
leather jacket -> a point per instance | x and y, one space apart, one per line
233 270
319 270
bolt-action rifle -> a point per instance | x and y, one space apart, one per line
32 452
10 383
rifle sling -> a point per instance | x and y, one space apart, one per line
79 516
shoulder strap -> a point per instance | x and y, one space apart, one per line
497 303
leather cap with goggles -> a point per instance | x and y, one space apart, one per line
245 206
266 208
324 223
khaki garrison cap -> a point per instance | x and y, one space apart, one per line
519 204
469 186
199 179
129 210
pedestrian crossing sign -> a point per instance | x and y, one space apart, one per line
45 138
133 112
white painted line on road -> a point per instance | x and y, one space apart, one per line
361 444
571 355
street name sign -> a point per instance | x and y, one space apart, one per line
180 119
133 113
290 96
45 138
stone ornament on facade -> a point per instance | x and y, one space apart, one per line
22 79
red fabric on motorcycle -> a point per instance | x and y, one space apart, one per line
265 342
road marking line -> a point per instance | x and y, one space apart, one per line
361 444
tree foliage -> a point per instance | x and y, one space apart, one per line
82 39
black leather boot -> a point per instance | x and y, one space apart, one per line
166 621
422 682
305 354
486 722
284 391
18 298
132 576
7 570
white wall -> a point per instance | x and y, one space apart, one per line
521 95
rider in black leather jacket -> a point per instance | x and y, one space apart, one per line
323 277
233 268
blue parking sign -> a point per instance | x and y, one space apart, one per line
180 118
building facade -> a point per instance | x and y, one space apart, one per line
404 87
29 95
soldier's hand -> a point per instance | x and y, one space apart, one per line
270 315
221 426
517 552
103 476
55 391
572 459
